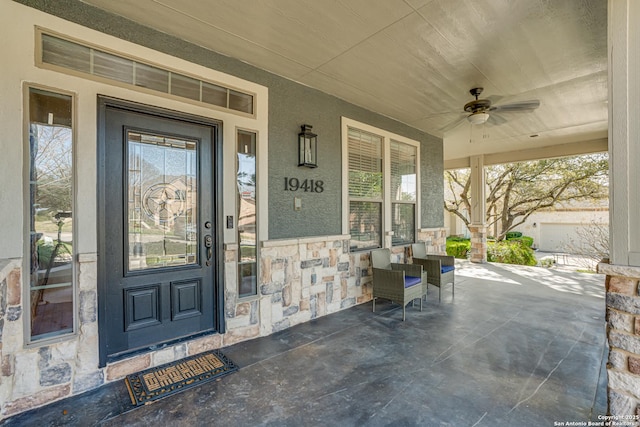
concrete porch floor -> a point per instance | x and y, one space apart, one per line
517 345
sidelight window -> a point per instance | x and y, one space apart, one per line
50 214
246 205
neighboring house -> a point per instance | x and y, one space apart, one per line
552 229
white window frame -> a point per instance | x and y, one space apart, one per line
387 136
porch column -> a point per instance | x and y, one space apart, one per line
623 269
478 227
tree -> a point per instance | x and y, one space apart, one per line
592 244
516 190
52 168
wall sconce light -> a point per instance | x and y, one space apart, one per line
307 147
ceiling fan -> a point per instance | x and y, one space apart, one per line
482 110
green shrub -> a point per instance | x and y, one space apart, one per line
510 252
45 250
547 261
458 248
512 235
525 240
457 239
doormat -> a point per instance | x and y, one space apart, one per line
155 383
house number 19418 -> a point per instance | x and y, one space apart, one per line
308 185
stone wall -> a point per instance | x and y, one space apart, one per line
37 374
623 333
300 280
435 240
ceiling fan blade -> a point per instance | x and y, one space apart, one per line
496 119
523 106
454 124
495 98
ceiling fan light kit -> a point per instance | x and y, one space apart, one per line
478 118
481 110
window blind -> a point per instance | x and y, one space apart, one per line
365 165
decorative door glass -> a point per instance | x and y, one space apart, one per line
162 201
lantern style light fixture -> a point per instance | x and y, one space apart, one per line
307 147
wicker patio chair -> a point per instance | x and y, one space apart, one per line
440 268
400 283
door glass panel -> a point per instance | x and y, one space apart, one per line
162 201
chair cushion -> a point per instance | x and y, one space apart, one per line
409 281
447 268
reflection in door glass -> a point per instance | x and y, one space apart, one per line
162 201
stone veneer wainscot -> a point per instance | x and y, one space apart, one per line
623 333
300 280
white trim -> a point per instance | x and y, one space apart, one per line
539 153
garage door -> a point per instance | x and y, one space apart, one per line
555 237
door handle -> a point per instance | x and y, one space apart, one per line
208 243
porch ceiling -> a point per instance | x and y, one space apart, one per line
415 60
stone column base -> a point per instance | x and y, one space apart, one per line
478 243
623 334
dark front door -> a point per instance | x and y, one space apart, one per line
158 245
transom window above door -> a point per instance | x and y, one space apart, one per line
61 54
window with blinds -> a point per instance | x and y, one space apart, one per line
365 189
403 192
381 186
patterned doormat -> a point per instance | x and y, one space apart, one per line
155 383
